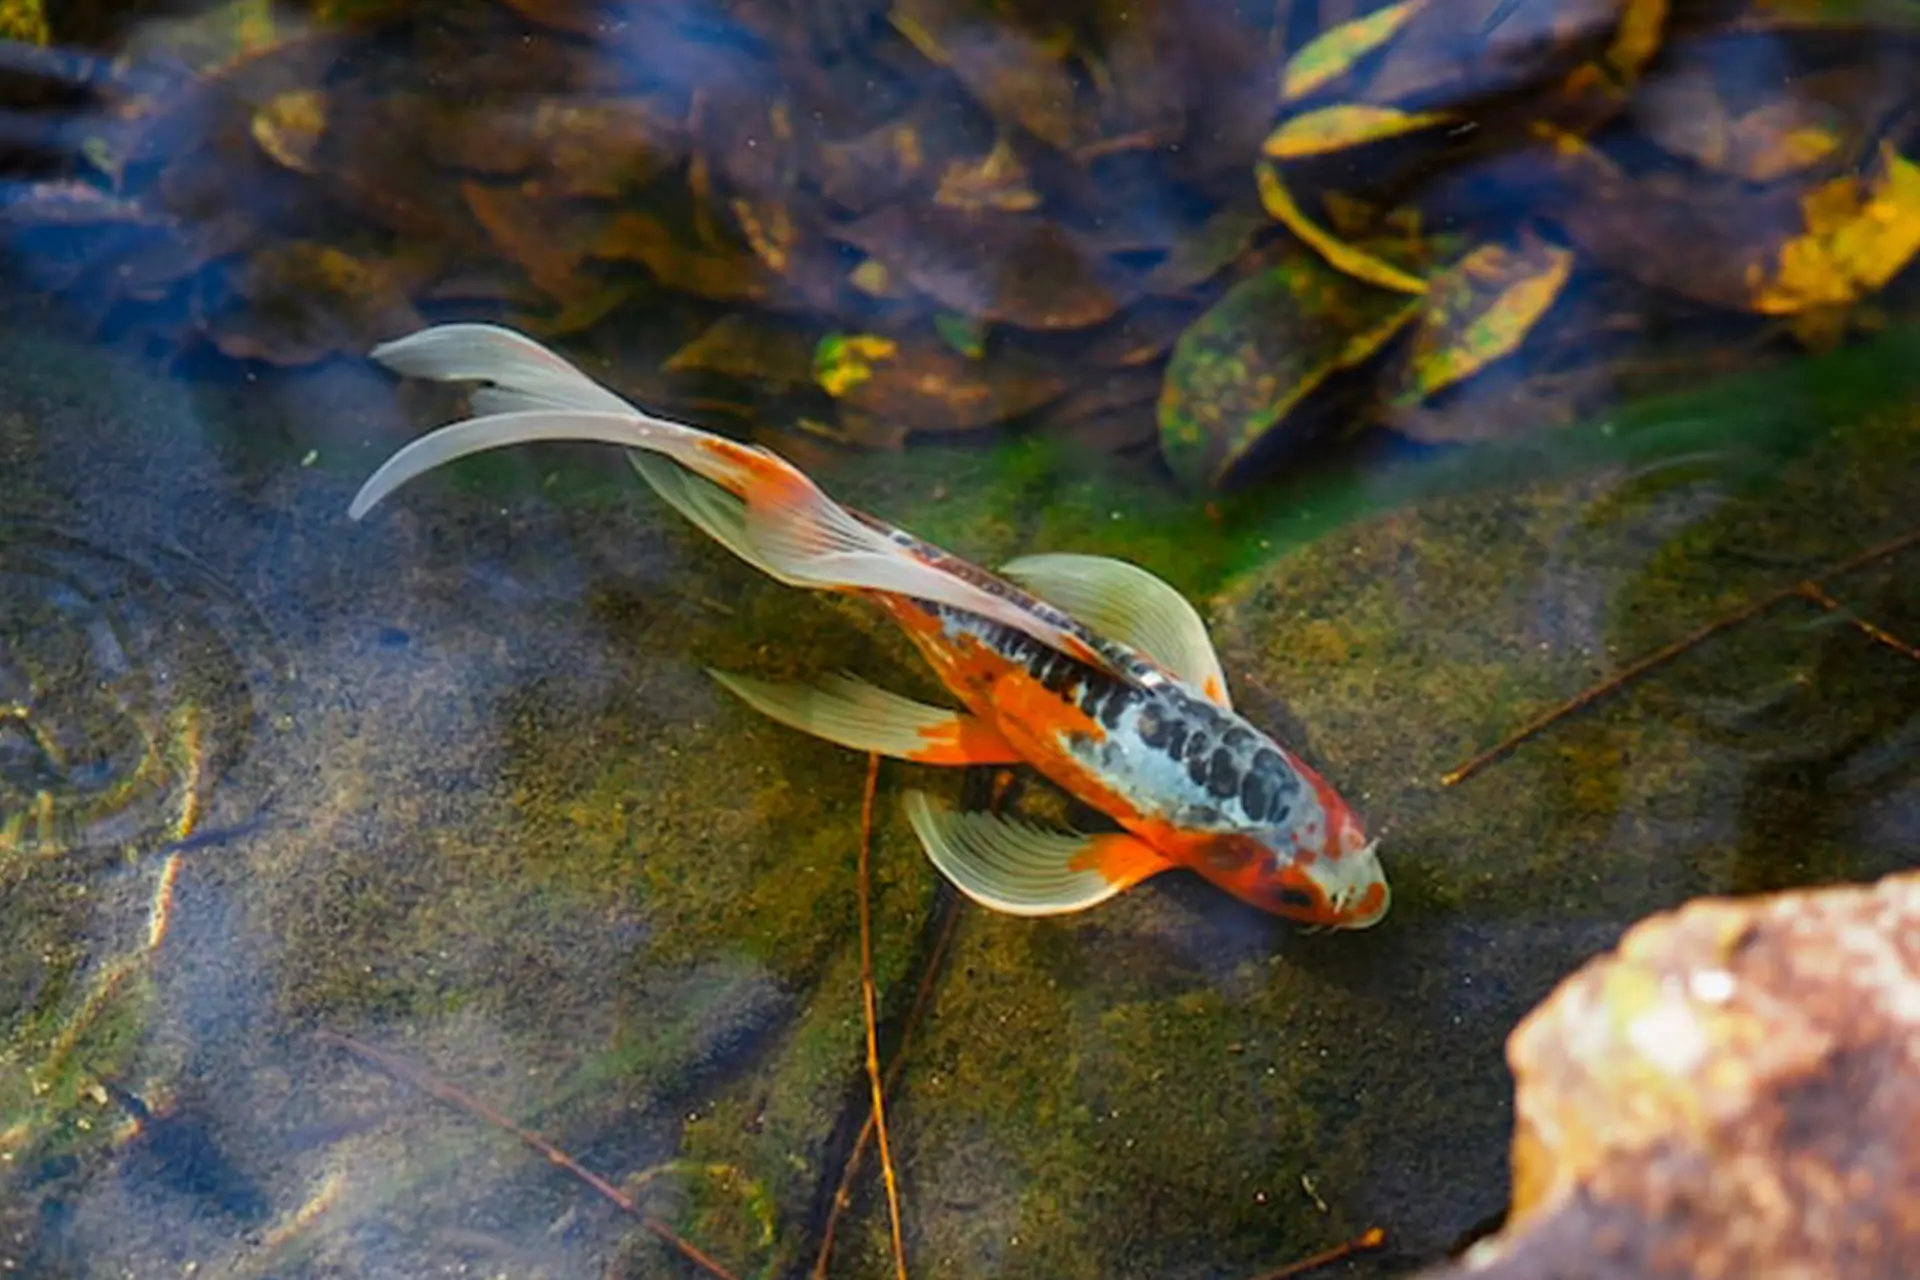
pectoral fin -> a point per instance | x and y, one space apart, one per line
865 717
1024 870
1130 605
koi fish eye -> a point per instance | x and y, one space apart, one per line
1298 899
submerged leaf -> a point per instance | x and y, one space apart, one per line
1479 310
1348 124
920 385
1331 54
24 20
548 240
1685 112
1246 364
1859 235
842 361
632 236
289 128
1354 261
751 347
996 180
1637 38
1002 267
1478 50
310 301
1016 75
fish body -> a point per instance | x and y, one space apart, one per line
1194 780
1091 670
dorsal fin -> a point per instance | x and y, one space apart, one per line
1128 604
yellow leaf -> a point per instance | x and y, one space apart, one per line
1481 309
1351 124
1859 235
1637 38
1331 54
1340 255
995 181
843 361
25 21
289 128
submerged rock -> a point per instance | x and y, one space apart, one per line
1735 1091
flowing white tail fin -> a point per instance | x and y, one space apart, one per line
756 504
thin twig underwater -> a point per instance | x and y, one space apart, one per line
420 1079
1811 589
868 1009
1093 671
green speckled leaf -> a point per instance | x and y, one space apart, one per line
1332 53
1246 364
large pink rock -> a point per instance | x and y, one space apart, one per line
1734 1092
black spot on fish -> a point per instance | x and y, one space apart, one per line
1176 740
1199 745
1296 898
1152 727
1255 796
1279 814
1223 779
1283 780
1198 762
1114 707
1238 738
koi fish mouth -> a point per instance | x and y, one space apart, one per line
1362 901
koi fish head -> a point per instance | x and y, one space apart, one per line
1335 882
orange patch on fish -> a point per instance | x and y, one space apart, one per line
1121 860
1023 700
966 740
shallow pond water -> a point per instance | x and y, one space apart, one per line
451 784
343 865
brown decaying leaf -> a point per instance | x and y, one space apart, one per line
311 301
1143 80
1761 135
631 236
1007 268
1016 74
547 237
1204 251
1686 115
574 17
1776 252
890 161
1140 335
921 384
1479 310
1111 415
1448 55
752 347
996 180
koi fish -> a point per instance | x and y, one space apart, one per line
1093 671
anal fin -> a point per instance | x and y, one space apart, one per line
865 717
1024 870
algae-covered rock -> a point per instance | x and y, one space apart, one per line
1734 1091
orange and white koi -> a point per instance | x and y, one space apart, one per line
1092 670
